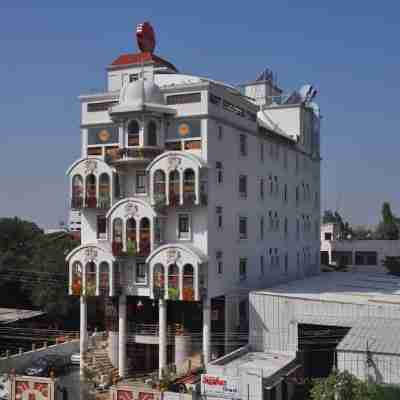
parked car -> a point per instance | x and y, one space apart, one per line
44 365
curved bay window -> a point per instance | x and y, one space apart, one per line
91 201
188 283
104 191
189 189
90 289
158 281
144 237
174 188
152 134
76 278
117 237
131 236
77 192
104 279
173 282
133 133
159 187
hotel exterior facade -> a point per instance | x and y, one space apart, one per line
192 192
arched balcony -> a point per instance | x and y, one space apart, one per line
136 229
92 184
177 179
93 271
176 272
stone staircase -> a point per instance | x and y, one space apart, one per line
96 360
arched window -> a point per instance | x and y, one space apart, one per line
159 186
173 282
104 279
174 188
91 201
158 281
188 283
144 238
152 134
133 133
117 237
189 195
286 228
131 236
76 285
104 191
90 289
77 192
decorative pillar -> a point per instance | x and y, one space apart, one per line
181 176
97 279
206 331
122 336
162 335
167 187
83 332
197 185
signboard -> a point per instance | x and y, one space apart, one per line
31 388
220 386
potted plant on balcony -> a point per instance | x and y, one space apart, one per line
76 286
173 293
159 202
131 247
90 289
188 294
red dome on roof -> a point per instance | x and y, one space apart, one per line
146 37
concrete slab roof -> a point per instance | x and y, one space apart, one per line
9 315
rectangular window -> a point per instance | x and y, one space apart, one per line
262 188
243 269
366 258
242 227
262 228
262 265
101 227
218 211
286 270
184 98
218 256
243 145
243 186
102 135
141 273
328 236
220 172
140 181
184 226
262 152
104 106
173 146
133 77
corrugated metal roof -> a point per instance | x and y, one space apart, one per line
346 287
379 335
8 315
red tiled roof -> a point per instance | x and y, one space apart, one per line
138 58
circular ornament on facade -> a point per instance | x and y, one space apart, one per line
104 135
183 129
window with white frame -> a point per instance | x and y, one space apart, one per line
243 144
220 132
184 231
242 268
141 182
218 256
141 273
262 188
262 228
262 151
242 227
262 265
243 186
220 222
220 172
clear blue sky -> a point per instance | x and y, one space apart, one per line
51 52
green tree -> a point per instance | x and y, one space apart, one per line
387 228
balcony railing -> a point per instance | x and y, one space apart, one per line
134 154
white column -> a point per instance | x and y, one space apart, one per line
197 185
122 336
181 187
111 279
97 279
70 266
167 187
162 346
83 332
138 244
206 331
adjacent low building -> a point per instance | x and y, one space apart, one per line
343 319
359 255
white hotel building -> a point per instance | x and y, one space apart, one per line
192 193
